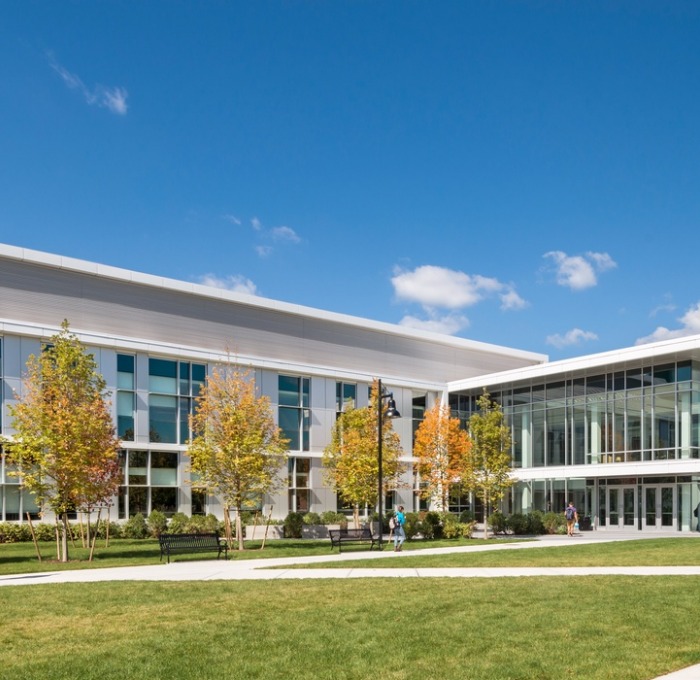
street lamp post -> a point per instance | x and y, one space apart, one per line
391 412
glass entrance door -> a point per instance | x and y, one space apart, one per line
659 504
620 506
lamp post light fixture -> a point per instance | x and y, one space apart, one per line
391 412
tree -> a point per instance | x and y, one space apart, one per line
441 446
65 449
237 450
350 461
488 469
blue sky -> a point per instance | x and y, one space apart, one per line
520 173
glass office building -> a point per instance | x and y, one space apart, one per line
619 437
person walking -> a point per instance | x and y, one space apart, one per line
399 532
571 516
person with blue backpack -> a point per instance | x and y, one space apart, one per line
399 532
571 516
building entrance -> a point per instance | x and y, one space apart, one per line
619 507
658 506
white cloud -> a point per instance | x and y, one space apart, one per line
573 337
233 220
256 223
511 300
263 251
433 286
436 288
285 234
449 324
579 271
111 98
690 326
237 283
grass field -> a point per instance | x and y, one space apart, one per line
589 628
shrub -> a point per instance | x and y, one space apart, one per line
535 522
293 523
135 527
14 533
412 525
497 522
552 521
517 523
178 523
431 525
467 516
43 532
157 523
312 518
330 517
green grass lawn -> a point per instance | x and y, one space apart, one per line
16 558
647 552
589 628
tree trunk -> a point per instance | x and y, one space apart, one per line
486 513
64 537
239 529
227 527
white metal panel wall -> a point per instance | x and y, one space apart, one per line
36 294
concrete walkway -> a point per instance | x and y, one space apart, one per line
259 569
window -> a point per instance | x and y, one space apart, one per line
294 413
345 396
299 484
126 396
418 412
151 482
173 387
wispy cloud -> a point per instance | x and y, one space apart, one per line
233 220
690 325
436 288
579 272
111 98
238 284
573 337
284 234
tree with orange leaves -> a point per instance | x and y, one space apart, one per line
442 448
237 451
65 450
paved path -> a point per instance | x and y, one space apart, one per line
252 569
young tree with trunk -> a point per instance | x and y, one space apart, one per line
351 460
65 449
441 446
488 470
237 451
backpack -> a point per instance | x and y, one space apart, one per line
397 522
570 512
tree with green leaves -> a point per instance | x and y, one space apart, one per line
237 451
65 450
441 446
488 469
350 461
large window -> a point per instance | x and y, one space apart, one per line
173 387
126 396
643 413
151 482
294 413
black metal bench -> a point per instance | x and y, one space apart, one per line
177 543
341 537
